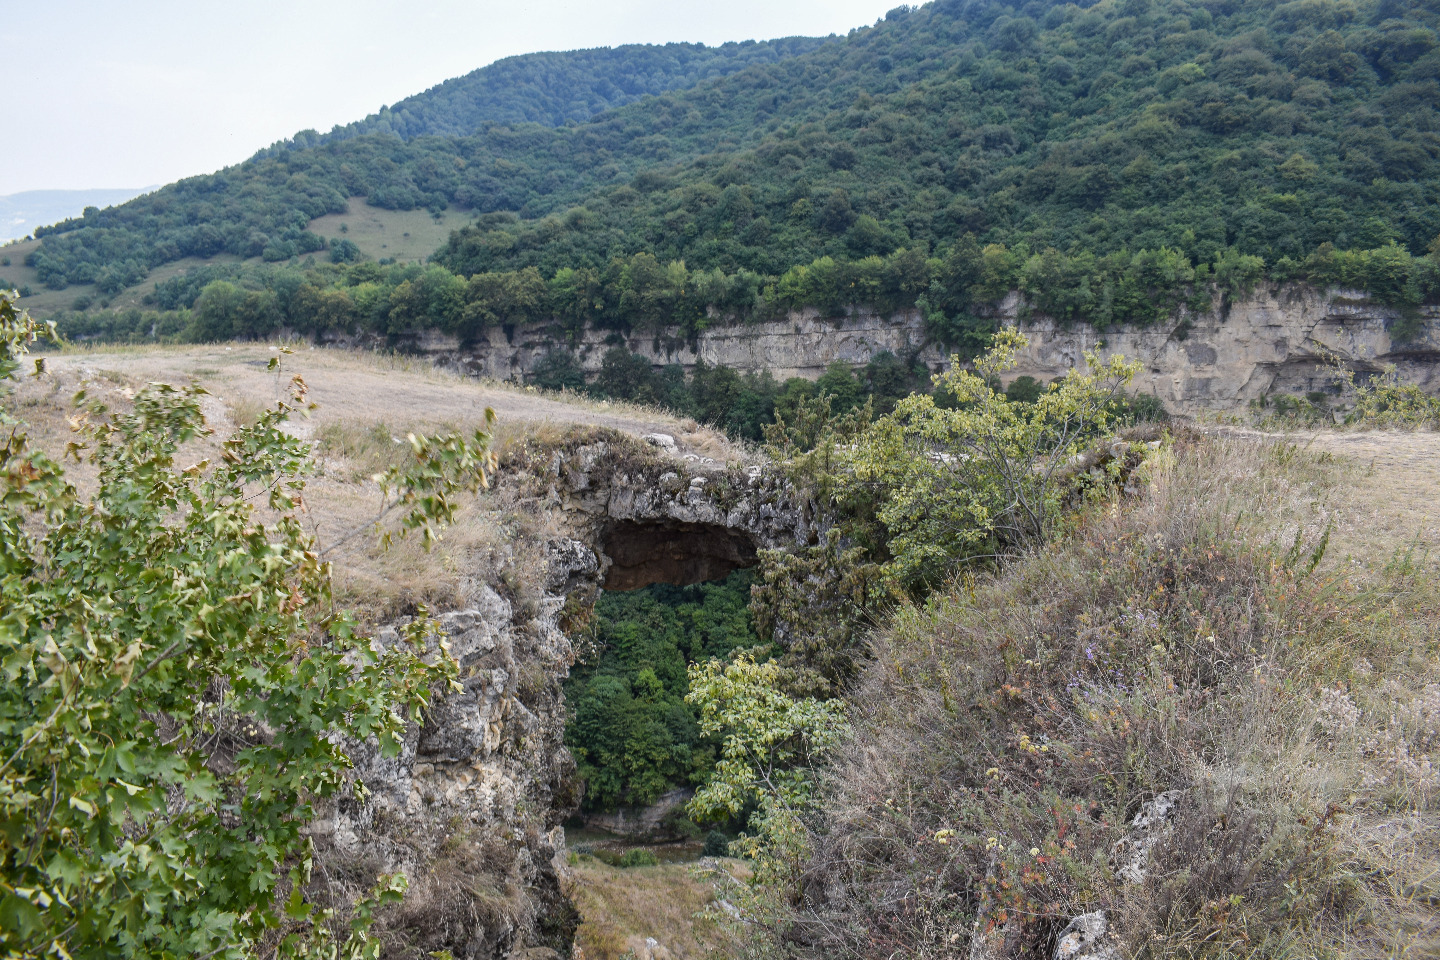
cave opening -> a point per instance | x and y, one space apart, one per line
672 552
675 594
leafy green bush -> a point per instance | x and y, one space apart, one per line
985 476
1024 389
638 857
716 845
179 689
771 743
1384 400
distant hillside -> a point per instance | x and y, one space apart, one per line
21 213
554 89
1113 163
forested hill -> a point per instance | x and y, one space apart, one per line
1105 160
554 89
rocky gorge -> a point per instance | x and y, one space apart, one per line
472 807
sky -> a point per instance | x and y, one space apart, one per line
101 93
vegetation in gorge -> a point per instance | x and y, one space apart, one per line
1171 628
630 729
1111 162
179 689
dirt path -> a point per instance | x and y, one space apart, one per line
398 391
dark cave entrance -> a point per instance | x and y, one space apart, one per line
672 552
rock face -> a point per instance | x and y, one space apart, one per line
470 809
1273 341
1269 341
647 822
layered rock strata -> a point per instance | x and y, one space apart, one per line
1272 340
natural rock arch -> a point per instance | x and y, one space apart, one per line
488 762
670 551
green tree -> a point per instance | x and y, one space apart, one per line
217 313
987 475
631 732
179 690
771 743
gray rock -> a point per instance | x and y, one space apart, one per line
1087 938
1131 853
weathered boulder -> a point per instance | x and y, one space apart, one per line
1087 937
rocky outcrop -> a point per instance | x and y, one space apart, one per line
649 822
1269 341
470 808
652 517
1273 341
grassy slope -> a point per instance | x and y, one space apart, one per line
1176 643
402 235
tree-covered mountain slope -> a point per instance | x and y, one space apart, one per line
1040 145
1197 126
554 89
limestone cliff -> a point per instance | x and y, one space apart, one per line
471 808
1266 342
1272 341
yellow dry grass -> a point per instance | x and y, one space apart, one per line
1384 491
367 404
621 909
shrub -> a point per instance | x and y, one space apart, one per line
716 844
770 743
638 857
1384 400
558 370
1024 389
1145 408
164 638
986 476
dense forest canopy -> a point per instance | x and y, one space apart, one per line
1107 161
631 731
558 88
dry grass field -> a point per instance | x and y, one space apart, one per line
623 908
366 405
1385 490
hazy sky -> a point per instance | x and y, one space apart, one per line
129 93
